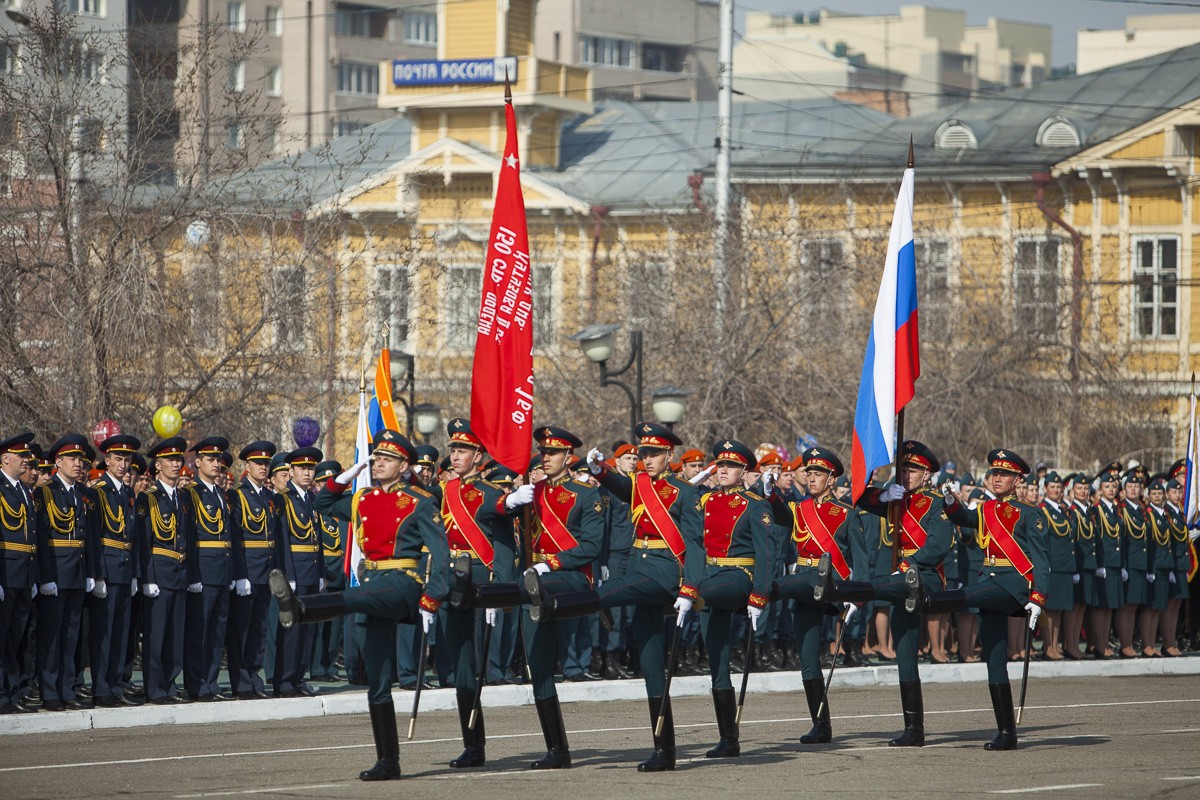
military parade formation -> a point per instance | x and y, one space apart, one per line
165 564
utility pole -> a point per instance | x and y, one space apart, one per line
724 129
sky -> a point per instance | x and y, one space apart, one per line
1065 16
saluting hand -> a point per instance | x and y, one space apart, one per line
594 460
349 475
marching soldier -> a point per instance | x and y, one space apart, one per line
820 526
252 533
333 535
736 564
1012 536
392 522
110 609
1108 527
1064 571
208 611
479 533
18 569
169 571
299 557
925 536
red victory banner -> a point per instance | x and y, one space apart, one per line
502 375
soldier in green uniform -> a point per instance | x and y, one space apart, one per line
333 536
737 564
924 536
1085 562
1108 526
392 522
1160 564
1012 536
1135 558
1064 571
1177 580
819 526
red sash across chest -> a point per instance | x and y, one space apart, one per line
380 515
651 516
462 503
822 523
999 522
913 532
554 504
721 514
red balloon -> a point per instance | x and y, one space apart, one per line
104 429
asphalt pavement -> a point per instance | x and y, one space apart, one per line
1109 737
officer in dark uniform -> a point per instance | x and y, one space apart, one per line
110 608
479 532
568 520
736 562
1160 564
1108 526
169 569
252 534
208 611
1136 559
820 527
392 522
66 517
1177 591
1012 536
1064 571
925 536
328 638
18 570
1078 492
300 558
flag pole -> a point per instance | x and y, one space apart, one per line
896 509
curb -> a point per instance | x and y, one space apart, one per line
595 691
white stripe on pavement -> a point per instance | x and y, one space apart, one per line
263 791
1183 778
1046 788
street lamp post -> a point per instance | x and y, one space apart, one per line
669 404
598 343
427 418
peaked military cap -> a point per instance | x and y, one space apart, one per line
305 457
260 451
121 443
535 461
916 453
1178 468
226 458
577 464
211 446
427 454
444 464
138 464
552 438
328 469
1157 483
734 452
173 447
279 462
73 444
17 445
501 475
651 434
1002 460
393 445
823 459
460 433
1138 474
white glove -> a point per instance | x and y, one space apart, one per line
133 587
520 496
321 584
242 587
851 609
682 606
427 618
893 492
1194 535
1170 577
50 589
594 460
292 584
701 476
100 590
540 568
491 617
603 573
195 588
1124 574
1035 611
952 487
349 475
768 480
1075 578
753 612
1150 577
150 590
89 584
1101 572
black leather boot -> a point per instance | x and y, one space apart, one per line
1002 705
663 758
387 744
914 716
558 754
851 592
307 609
916 593
725 703
473 738
944 602
822 729
854 656
823 591
461 589
496 595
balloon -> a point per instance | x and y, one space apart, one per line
167 421
305 431
197 233
104 429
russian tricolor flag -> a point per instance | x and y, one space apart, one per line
892 361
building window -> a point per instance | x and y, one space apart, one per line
606 52
289 309
1155 287
824 274
352 20
649 285
272 82
357 78
1035 287
393 288
237 16
8 58
933 276
236 137
92 8
662 58
346 126
274 21
237 76
420 27
464 283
